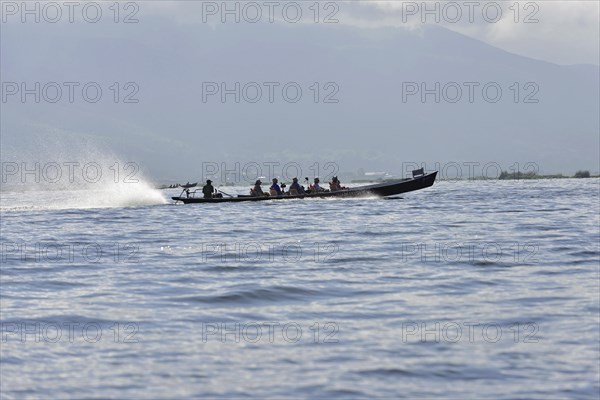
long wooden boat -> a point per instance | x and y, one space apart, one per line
380 189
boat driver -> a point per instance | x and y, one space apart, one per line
208 189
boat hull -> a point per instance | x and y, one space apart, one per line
380 190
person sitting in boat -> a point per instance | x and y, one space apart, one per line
208 189
257 191
295 188
275 190
335 184
315 187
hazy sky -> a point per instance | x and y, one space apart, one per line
366 56
562 32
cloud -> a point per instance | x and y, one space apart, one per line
563 32
567 33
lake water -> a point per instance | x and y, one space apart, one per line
484 289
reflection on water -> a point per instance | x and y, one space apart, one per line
467 289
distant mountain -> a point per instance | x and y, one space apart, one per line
171 130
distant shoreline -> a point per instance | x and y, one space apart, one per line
504 176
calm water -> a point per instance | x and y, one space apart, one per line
464 290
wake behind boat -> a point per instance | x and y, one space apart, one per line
420 180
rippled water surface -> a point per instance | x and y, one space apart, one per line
464 290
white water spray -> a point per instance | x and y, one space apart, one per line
88 179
